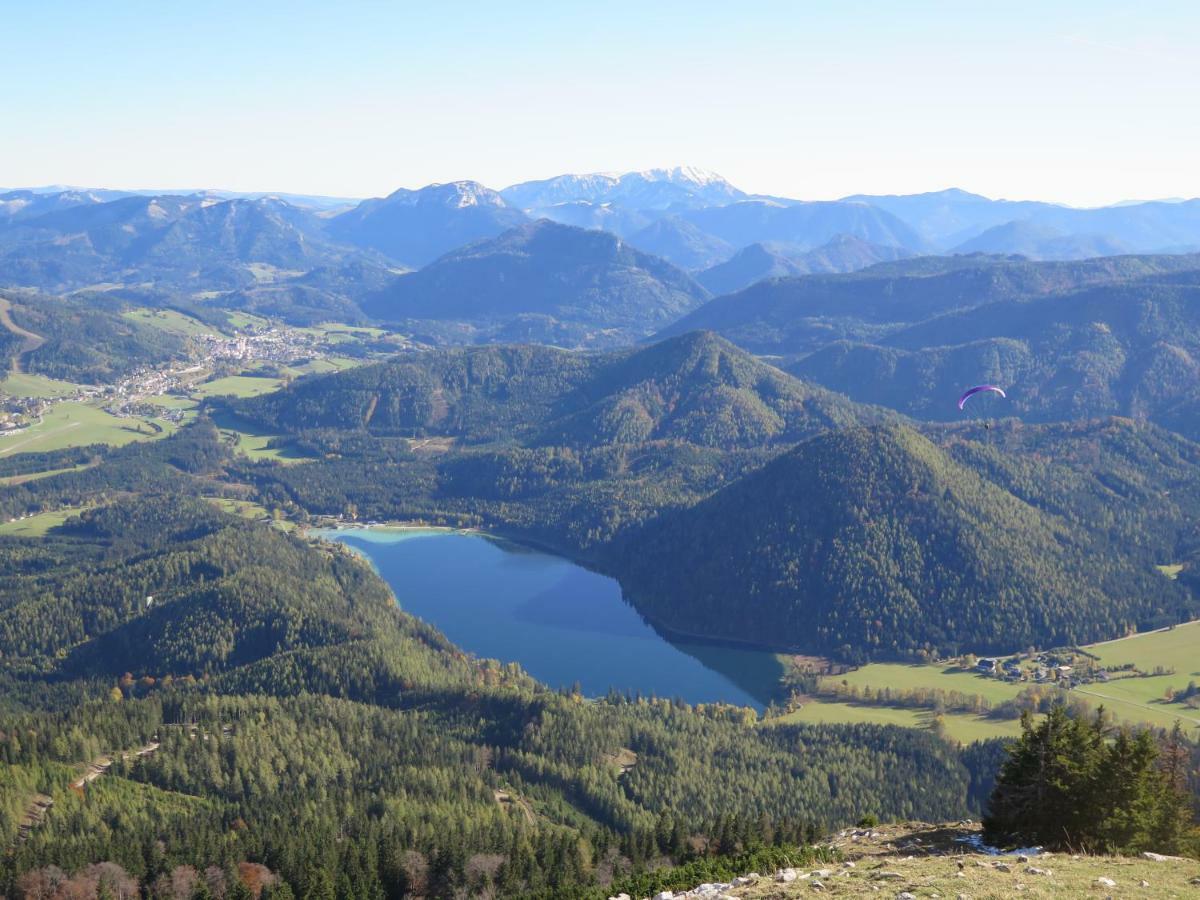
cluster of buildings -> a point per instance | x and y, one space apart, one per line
1042 668
273 344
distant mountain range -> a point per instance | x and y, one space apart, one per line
416 227
308 258
757 262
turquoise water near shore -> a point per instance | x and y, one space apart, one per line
563 623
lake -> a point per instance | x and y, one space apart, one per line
560 621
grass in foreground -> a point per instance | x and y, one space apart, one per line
923 860
981 879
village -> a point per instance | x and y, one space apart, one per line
1063 668
209 355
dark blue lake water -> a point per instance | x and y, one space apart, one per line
561 622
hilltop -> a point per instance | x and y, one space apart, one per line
544 281
874 541
696 388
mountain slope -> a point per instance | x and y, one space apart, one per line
843 253
696 388
873 541
953 217
414 228
568 285
1035 241
193 241
288 704
806 224
681 243
800 315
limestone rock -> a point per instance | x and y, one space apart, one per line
1158 857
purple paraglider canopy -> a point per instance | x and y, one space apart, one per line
979 389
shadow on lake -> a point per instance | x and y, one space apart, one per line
560 621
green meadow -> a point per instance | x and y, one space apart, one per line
71 424
171 321
252 441
1136 700
37 525
238 386
959 727
20 384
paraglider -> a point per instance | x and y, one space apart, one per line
979 389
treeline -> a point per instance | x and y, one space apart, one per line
696 389
1037 698
1075 783
295 718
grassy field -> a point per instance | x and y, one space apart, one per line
34 476
172 401
73 424
22 385
252 442
960 727
336 332
325 365
238 386
246 320
247 509
1175 649
37 525
1133 700
171 321
949 678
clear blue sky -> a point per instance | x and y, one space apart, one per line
1086 103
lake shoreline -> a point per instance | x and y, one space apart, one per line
528 543
561 620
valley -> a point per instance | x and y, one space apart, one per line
531 541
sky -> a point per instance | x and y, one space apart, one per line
1082 103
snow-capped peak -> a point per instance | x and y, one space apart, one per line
680 175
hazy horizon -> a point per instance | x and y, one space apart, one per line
184 190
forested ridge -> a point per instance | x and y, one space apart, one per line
304 722
86 339
598 456
697 389
874 540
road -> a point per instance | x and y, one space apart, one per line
36 811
